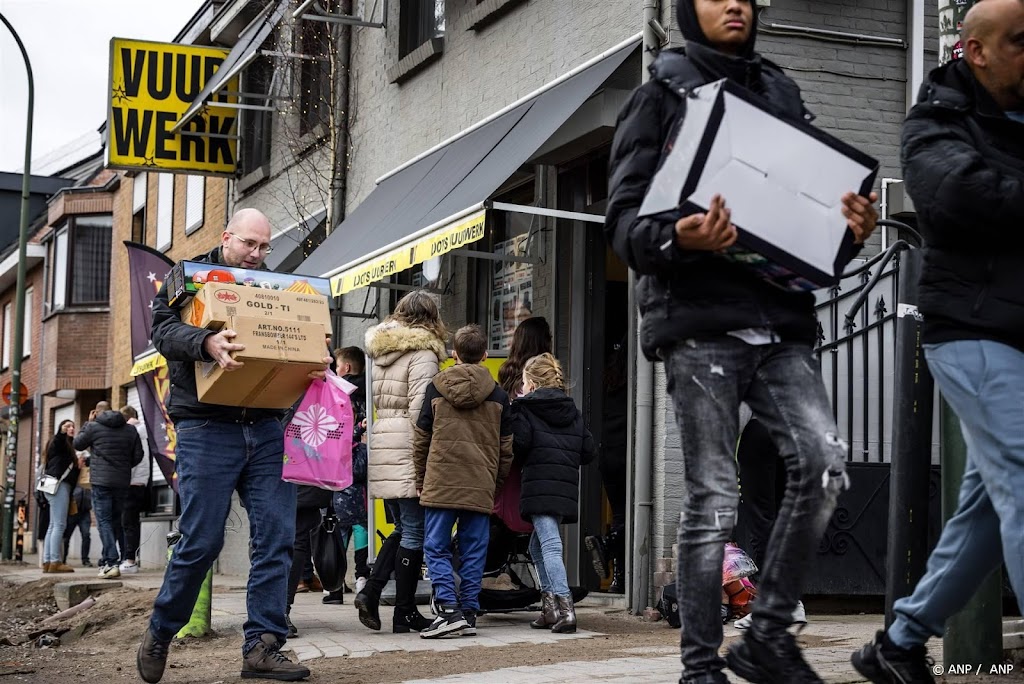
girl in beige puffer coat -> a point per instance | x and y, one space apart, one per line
406 350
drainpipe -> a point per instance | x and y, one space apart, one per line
340 138
642 416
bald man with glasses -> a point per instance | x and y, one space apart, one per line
220 450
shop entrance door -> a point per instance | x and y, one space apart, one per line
593 307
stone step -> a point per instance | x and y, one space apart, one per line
68 594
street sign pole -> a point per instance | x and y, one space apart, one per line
19 319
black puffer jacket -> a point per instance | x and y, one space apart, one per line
182 345
689 294
116 449
552 441
963 162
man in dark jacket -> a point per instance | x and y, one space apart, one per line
115 449
963 161
222 449
727 336
462 448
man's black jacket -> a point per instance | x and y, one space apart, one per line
182 345
963 163
115 448
689 294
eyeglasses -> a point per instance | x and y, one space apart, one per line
252 244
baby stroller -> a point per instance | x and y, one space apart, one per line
511 583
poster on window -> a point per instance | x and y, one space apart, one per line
511 292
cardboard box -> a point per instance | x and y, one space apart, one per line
278 357
783 181
216 302
186 278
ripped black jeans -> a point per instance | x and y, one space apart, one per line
707 380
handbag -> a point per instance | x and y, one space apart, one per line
318 438
328 553
48 483
83 478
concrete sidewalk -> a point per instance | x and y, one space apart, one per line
334 631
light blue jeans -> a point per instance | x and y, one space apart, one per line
53 542
983 382
546 553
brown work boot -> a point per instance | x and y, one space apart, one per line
46 567
60 567
265 661
152 657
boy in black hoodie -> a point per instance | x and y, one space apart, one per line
727 336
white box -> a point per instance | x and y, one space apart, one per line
783 181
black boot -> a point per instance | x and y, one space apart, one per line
598 559
618 585
367 602
407 578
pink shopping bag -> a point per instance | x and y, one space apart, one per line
318 439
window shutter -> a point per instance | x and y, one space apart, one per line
139 184
165 212
195 202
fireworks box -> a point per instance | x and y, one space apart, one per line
278 358
216 302
186 278
783 180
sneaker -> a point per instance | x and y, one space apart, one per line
360 583
265 661
448 621
799 618
293 631
109 572
335 598
86 563
302 587
128 568
151 658
470 629
882 662
775 660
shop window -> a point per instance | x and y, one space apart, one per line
510 284
80 258
256 124
419 21
139 226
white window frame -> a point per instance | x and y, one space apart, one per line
59 283
195 203
139 186
26 345
7 336
165 212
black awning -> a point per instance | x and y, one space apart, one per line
458 175
288 245
249 42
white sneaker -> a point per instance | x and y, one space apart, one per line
109 572
360 583
128 568
799 618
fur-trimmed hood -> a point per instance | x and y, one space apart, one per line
387 342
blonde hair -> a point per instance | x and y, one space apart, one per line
419 310
544 371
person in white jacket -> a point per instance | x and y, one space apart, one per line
136 502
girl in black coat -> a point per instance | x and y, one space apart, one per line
553 442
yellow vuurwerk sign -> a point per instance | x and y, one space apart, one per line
151 86
442 241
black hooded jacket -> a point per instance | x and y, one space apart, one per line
692 294
551 440
182 345
116 448
963 163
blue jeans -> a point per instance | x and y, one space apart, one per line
984 384
107 506
474 534
410 514
546 553
214 459
707 380
53 542
83 523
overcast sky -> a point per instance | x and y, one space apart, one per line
68 42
